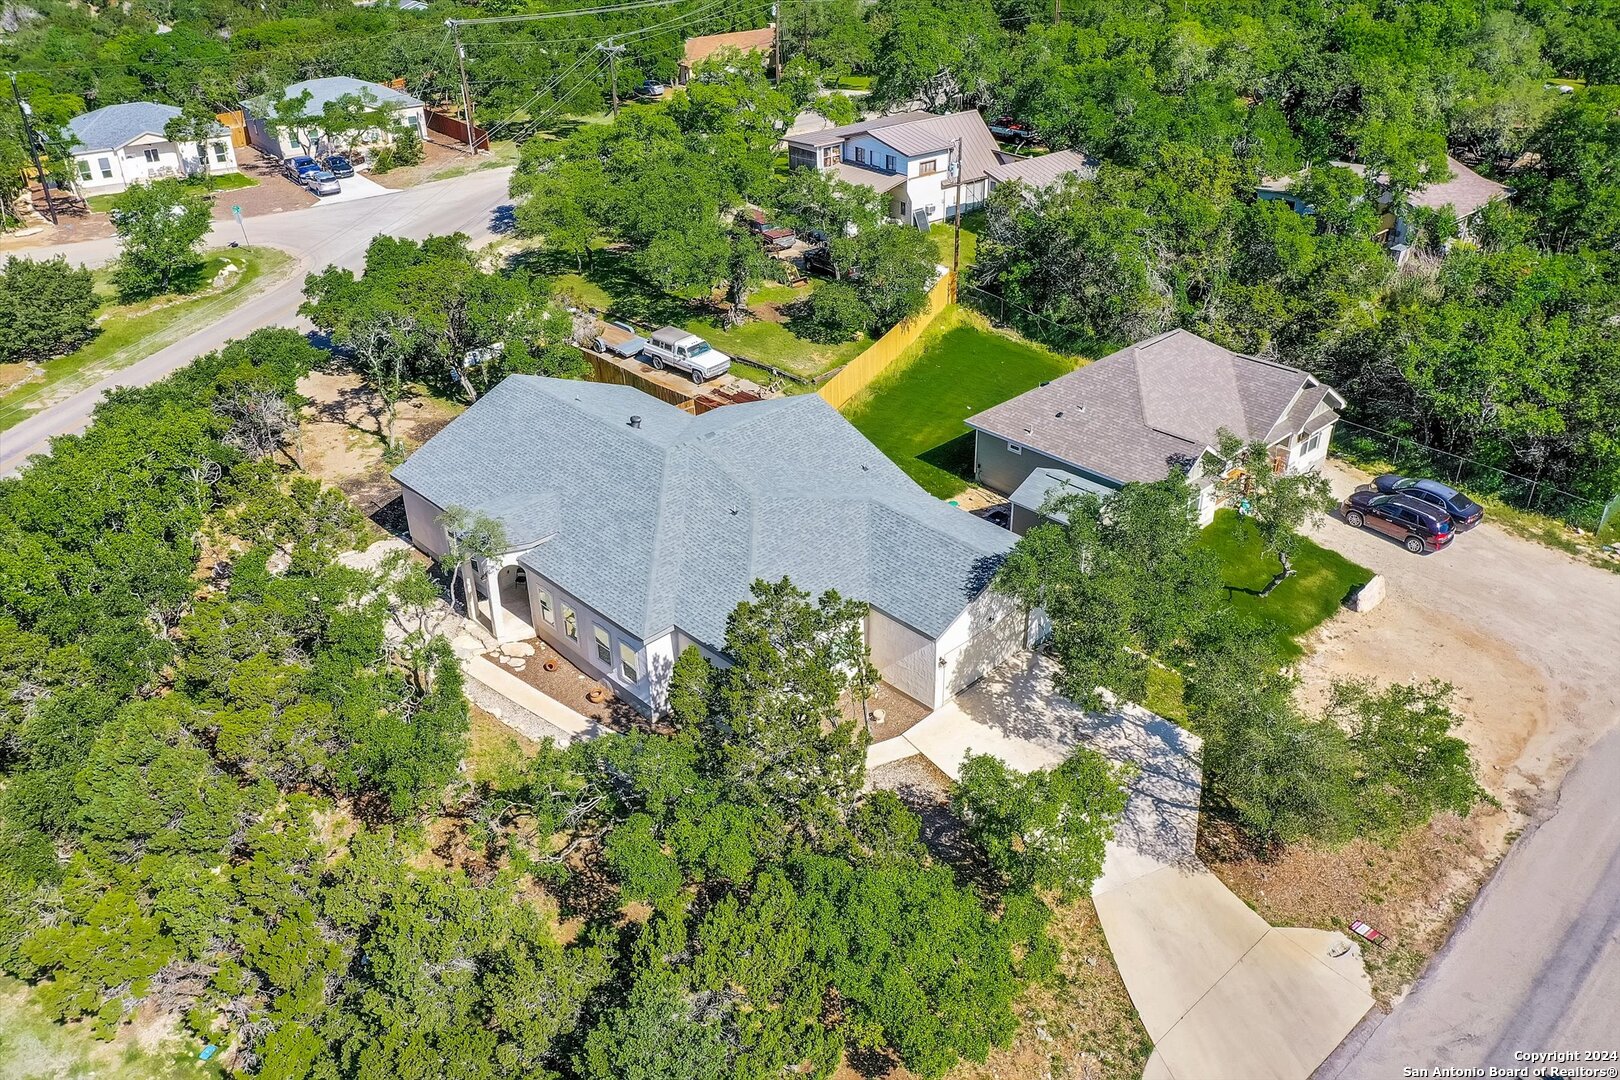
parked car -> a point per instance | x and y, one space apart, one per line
651 88
295 167
1009 127
322 182
778 238
339 166
620 339
670 346
1417 525
818 260
1465 513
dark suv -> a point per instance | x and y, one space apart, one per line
1417 525
1465 513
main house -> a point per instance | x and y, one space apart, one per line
908 157
634 529
121 145
390 108
1150 408
699 49
1465 193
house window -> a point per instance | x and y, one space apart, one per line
545 606
829 156
1310 445
153 155
888 162
84 169
1014 448
604 650
627 663
860 155
570 624
105 164
219 152
928 168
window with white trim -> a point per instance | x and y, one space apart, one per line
1014 448
84 169
570 624
545 606
604 647
1310 445
153 155
629 663
106 167
219 152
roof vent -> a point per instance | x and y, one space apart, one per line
1058 415
635 421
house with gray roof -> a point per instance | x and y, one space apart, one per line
1043 171
907 156
1464 193
634 529
120 145
1148 410
377 112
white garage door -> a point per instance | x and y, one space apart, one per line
984 651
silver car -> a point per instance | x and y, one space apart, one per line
322 183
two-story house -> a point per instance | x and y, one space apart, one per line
908 157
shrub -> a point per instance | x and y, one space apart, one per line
833 313
47 307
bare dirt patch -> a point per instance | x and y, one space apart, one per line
12 375
341 441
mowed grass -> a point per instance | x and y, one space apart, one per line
1318 587
131 332
914 412
222 182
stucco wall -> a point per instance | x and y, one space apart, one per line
982 637
422 518
904 657
549 605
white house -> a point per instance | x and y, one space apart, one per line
392 107
908 157
1465 193
124 144
1150 408
634 529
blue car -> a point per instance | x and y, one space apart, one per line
300 166
1464 512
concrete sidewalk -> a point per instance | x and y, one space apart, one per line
1223 995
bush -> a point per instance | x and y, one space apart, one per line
833 313
47 307
408 147
383 160
160 226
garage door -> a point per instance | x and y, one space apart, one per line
983 652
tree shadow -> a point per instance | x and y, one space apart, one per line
954 456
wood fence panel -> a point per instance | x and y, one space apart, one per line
236 124
858 374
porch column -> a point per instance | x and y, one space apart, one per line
492 584
469 591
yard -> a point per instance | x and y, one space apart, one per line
35 1047
914 411
223 182
1320 582
612 284
131 332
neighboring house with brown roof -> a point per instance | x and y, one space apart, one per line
699 49
1466 193
1149 409
907 156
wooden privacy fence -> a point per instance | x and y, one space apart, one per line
236 124
858 374
454 128
604 370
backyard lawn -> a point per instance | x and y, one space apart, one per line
1299 604
914 412
222 182
613 285
943 235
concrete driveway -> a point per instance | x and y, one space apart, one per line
1223 995
1535 961
356 187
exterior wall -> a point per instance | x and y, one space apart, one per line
422 518
129 165
988 632
903 656
1001 469
1307 454
1022 519
309 139
549 605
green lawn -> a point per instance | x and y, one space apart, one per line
942 233
612 284
854 82
135 331
914 411
33 1047
1322 580
223 182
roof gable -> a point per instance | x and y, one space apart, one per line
117 126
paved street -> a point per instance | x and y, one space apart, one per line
475 204
1534 964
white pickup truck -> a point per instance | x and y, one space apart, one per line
676 348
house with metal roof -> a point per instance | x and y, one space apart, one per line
633 530
379 112
1148 410
120 145
912 157
699 49
1464 193
1038 173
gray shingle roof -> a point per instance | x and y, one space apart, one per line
1044 171
118 125
915 133
324 91
669 523
1465 192
1159 403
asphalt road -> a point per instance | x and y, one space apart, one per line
476 204
1534 964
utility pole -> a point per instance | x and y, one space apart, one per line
1057 12
776 44
33 149
466 94
961 193
613 52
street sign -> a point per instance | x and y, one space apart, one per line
236 212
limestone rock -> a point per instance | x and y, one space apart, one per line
518 648
1369 595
